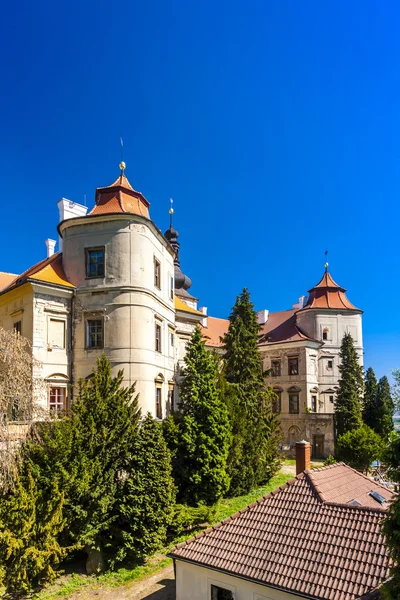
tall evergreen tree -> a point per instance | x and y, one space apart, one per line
385 409
254 453
203 434
370 399
348 407
147 497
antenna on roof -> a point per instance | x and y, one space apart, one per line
171 212
122 165
326 265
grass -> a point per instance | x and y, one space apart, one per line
67 585
315 464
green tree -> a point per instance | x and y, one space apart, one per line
31 521
385 409
202 431
253 456
87 453
348 401
147 497
391 525
360 447
370 398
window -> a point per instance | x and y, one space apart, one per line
158 403
219 593
171 397
158 337
157 274
171 288
171 336
293 364
94 333
276 368
277 401
18 327
57 399
331 399
95 262
314 403
325 333
294 404
56 333
330 364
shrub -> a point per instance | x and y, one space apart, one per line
360 447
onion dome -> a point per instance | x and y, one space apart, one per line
120 197
328 294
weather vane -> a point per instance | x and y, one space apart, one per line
122 164
171 212
326 265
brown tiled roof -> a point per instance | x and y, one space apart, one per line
328 294
120 197
6 279
280 327
295 540
50 270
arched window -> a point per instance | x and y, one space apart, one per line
293 435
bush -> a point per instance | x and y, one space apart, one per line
186 518
360 447
330 460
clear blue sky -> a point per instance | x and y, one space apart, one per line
274 126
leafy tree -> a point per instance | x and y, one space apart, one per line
385 409
360 447
86 454
348 401
30 523
253 456
370 398
202 431
391 525
147 498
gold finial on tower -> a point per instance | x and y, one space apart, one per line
326 265
171 212
122 166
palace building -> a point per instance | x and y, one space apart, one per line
116 286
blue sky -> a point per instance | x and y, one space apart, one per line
274 126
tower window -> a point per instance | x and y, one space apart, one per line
94 262
325 333
158 337
157 274
94 333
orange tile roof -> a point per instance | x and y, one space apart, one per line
120 197
6 279
328 294
49 270
296 541
280 327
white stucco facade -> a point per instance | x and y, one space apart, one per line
194 583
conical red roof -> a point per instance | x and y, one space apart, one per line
120 197
328 294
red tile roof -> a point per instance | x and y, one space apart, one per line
280 327
328 294
120 197
295 540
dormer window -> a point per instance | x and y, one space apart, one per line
94 262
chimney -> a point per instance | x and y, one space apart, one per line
301 303
69 210
303 456
262 316
50 244
203 309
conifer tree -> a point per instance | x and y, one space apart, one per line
147 498
348 405
385 409
203 434
253 456
31 521
370 399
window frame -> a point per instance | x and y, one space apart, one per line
88 251
274 363
17 327
158 339
314 404
157 273
58 406
58 320
329 364
88 346
291 361
291 396
158 400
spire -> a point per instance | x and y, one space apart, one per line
328 294
120 197
182 281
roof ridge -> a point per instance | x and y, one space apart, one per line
32 270
241 511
